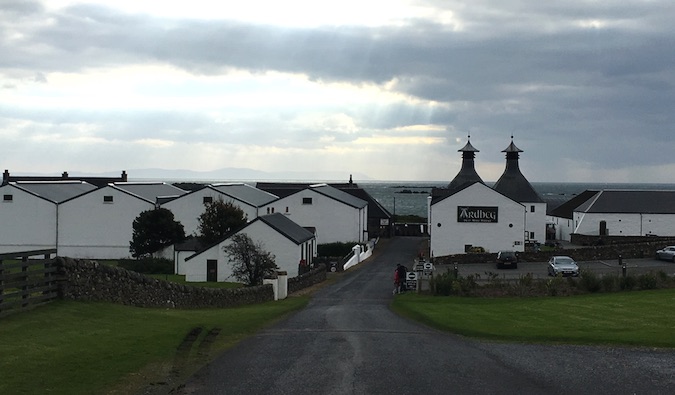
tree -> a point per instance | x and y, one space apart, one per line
154 230
218 219
250 262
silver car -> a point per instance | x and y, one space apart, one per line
563 266
667 253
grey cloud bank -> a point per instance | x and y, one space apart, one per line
586 88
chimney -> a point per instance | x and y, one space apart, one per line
5 176
124 176
64 175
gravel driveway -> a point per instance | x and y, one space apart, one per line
347 341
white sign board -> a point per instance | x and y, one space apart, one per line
411 281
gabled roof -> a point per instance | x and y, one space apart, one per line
339 195
330 190
245 193
287 227
440 194
277 221
630 202
375 209
54 191
566 209
149 191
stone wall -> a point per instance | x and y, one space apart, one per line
601 252
314 276
90 281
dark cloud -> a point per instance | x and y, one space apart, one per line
593 79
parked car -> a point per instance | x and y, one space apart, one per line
667 253
507 259
562 265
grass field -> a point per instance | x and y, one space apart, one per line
641 318
91 348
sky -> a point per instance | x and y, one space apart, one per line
382 89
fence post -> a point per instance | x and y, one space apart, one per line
2 285
24 287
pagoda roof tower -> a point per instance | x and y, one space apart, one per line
513 183
467 174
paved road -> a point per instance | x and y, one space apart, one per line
347 341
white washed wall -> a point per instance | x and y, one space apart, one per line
535 222
334 221
626 224
187 208
27 222
451 236
93 229
287 254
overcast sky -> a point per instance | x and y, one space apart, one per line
387 89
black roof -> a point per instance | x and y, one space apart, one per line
630 201
567 208
467 174
513 183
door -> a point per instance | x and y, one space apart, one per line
211 270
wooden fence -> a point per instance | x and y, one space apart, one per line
27 279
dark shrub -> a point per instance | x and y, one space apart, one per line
647 281
148 265
589 281
609 283
627 283
442 283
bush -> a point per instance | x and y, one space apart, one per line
647 281
627 283
589 282
442 284
148 265
610 283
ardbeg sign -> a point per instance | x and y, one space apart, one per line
477 214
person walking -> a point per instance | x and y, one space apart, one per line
397 280
402 271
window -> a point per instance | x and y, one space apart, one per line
107 199
531 235
286 208
207 199
531 209
7 198
306 200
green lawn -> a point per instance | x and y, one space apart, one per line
90 348
641 318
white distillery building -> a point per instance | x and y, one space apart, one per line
512 212
99 224
475 216
188 207
29 212
626 213
336 215
290 244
